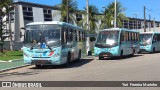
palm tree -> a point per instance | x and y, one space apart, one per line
109 15
71 5
93 11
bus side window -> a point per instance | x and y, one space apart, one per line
137 36
64 35
82 36
130 36
158 37
79 38
122 36
154 38
75 35
69 35
133 37
72 34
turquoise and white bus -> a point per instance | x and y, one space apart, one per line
52 43
116 42
149 42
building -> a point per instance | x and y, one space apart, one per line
26 12
136 23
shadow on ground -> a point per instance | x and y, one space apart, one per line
150 52
71 65
121 58
18 74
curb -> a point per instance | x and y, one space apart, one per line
13 60
7 69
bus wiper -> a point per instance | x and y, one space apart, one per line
44 40
34 43
48 46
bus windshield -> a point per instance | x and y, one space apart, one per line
145 39
108 38
36 34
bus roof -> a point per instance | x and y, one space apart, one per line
118 29
53 22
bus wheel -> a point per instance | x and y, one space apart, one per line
79 55
154 50
133 52
121 53
101 58
68 58
38 66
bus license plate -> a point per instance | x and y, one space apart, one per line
105 55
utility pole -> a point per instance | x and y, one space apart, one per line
67 12
144 19
88 27
149 22
115 13
153 24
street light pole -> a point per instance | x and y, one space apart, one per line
115 13
144 19
88 28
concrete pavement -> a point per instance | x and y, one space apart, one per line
142 67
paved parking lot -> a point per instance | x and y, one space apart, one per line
141 67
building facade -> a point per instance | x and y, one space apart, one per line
26 12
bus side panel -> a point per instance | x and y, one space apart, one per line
64 54
126 48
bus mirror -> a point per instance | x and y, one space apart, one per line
22 28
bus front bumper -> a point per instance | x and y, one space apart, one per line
106 54
145 49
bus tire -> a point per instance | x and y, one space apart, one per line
79 55
133 52
68 59
154 50
121 53
101 58
38 66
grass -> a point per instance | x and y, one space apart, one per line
10 55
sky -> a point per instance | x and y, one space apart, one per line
132 6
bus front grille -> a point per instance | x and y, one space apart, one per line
107 54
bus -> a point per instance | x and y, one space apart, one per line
116 42
52 43
149 42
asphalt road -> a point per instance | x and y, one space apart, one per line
141 67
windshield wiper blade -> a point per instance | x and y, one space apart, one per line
34 43
49 46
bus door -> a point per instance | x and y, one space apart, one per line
123 43
74 47
64 41
155 42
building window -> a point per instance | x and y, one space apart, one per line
28 13
157 24
47 15
78 17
